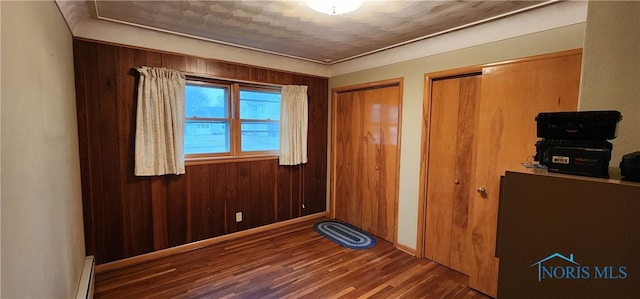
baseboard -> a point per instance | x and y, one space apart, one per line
200 244
86 285
407 249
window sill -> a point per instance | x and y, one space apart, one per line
217 160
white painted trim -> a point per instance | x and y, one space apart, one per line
97 12
206 39
530 21
504 15
117 33
87 284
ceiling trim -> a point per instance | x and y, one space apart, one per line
202 38
120 34
447 31
562 14
97 12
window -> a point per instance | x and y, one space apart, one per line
207 119
259 120
231 119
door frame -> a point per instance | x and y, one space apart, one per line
332 166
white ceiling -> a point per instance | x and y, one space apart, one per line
292 29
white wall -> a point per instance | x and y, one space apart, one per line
611 69
42 231
554 40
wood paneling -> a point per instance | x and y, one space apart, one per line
314 177
159 212
177 200
207 215
295 262
256 193
82 79
137 220
290 186
126 215
108 143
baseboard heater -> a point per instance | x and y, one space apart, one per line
85 288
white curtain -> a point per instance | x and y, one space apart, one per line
294 110
160 122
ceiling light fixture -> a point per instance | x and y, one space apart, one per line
335 7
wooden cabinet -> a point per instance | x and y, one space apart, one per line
365 153
475 148
593 222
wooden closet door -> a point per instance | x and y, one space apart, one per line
365 158
347 158
511 97
379 163
451 164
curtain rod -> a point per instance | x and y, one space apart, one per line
234 80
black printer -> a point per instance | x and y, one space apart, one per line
576 142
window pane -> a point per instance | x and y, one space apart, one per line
256 104
206 137
206 101
260 136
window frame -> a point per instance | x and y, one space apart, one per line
253 87
235 122
228 119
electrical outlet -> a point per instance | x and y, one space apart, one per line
239 217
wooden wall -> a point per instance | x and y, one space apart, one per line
125 215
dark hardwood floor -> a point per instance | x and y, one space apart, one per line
287 262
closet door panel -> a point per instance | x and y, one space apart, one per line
441 173
451 164
379 164
389 162
365 156
348 128
464 172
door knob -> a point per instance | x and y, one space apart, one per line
481 189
